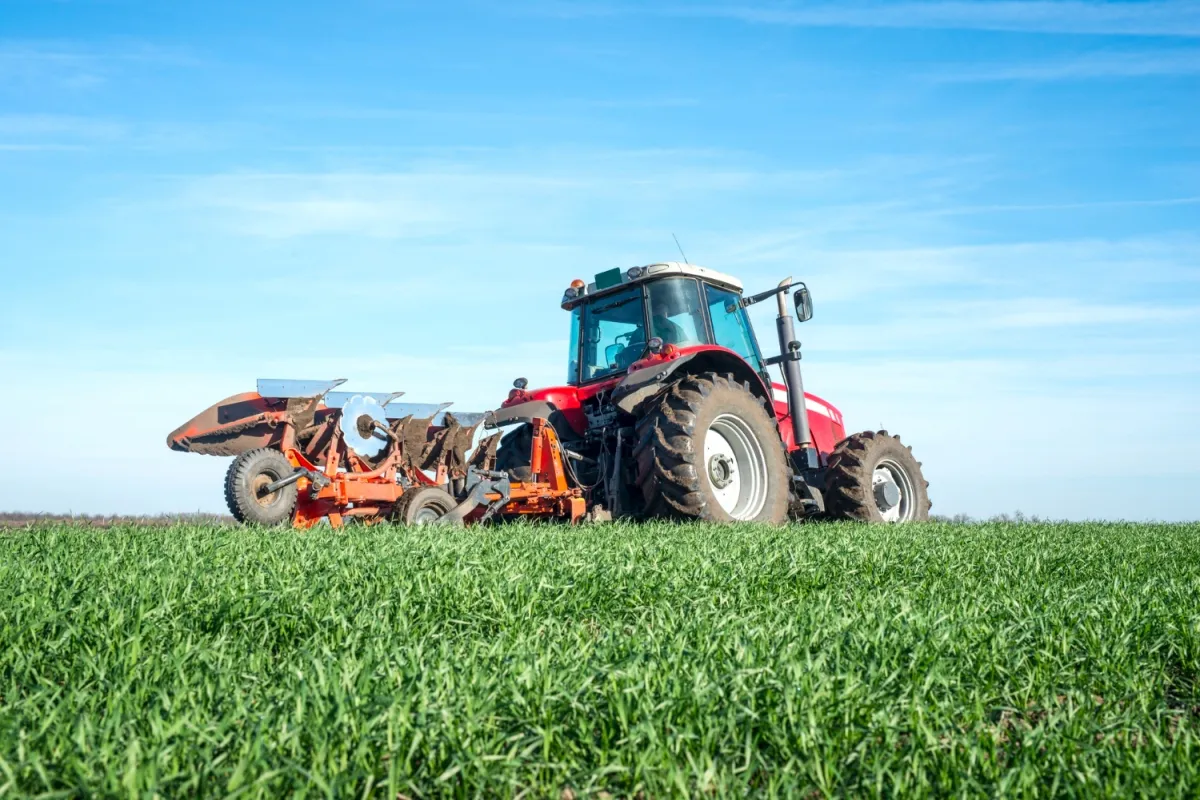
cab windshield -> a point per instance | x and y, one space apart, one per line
609 333
614 333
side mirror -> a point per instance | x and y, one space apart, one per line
803 304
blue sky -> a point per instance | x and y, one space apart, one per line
996 205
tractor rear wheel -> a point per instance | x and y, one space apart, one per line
245 492
423 506
707 449
873 477
514 453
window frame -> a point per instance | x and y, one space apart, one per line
709 331
583 339
753 335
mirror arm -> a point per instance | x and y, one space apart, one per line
758 298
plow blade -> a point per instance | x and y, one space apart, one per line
303 413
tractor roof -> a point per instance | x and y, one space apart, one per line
615 279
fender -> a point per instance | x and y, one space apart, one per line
642 384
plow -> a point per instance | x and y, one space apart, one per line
670 409
304 453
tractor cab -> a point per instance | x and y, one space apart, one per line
625 315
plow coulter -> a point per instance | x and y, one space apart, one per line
303 453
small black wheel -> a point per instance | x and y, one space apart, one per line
245 488
873 477
424 506
516 448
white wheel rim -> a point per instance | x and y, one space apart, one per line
889 472
734 457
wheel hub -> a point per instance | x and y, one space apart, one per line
259 487
720 470
893 491
887 494
426 516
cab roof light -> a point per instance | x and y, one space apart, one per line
576 289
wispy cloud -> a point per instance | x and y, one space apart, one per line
43 62
31 132
431 200
70 65
939 328
29 148
1180 18
536 191
1160 202
402 205
1090 66
42 126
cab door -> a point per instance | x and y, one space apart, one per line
731 329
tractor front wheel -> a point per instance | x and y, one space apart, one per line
708 449
245 488
873 477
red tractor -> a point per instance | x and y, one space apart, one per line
669 410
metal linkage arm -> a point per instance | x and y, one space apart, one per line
758 298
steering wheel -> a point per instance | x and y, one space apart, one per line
630 349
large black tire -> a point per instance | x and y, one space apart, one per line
247 475
514 452
676 480
422 506
850 488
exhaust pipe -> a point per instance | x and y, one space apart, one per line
789 360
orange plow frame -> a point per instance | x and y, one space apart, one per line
548 494
367 493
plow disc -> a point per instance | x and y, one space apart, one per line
304 453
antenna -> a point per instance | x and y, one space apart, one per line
677 244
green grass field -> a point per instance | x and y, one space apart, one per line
651 660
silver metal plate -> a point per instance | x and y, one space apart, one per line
386 401
339 399
285 387
418 410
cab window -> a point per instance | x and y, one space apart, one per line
573 358
614 333
676 315
732 328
